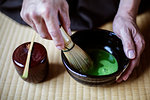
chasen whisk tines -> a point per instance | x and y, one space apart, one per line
75 55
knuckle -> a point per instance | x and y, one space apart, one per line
140 42
68 22
43 36
57 38
46 12
66 5
25 17
32 14
129 44
143 43
21 14
59 44
54 34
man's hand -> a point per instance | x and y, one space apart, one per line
127 30
44 17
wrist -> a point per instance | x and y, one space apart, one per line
128 8
126 15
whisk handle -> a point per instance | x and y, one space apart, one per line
67 40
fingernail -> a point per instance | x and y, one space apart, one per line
125 78
69 30
59 47
119 80
131 54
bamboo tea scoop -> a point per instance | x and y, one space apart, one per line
26 69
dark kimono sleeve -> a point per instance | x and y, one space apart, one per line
12 9
84 14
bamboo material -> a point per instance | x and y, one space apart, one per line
75 55
26 69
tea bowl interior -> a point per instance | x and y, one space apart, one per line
97 39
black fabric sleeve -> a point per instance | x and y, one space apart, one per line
12 9
84 14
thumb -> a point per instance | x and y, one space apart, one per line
128 44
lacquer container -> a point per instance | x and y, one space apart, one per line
38 67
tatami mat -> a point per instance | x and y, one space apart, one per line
59 85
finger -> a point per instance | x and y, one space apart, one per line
119 80
140 44
130 68
125 75
41 27
26 18
128 44
64 18
52 24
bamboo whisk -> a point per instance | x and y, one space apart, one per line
75 55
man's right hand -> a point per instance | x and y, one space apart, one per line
44 17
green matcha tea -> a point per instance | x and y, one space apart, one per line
104 63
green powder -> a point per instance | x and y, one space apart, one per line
104 62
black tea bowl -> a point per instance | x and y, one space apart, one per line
97 39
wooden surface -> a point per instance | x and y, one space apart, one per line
59 85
